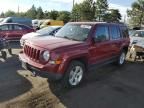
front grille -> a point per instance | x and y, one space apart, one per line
32 53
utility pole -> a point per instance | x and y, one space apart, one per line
72 9
73 3
18 7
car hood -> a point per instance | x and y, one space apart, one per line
138 39
52 43
30 35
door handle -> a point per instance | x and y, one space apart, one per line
118 43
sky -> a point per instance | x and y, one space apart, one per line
24 5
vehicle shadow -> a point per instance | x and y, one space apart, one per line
11 83
102 87
96 77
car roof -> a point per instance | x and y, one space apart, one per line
14 24
53 27
94 23
11 23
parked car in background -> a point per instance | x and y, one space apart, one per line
51 23
51 30
14 31
131 31
76 48
35 24
137 36
25 21
41 22
4 44
1 19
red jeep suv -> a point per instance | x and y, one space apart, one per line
76 48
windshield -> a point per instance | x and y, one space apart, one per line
138 34
76 32
45 31
131 32
1 19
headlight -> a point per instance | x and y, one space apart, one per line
134 42
46 55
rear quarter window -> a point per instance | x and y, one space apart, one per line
124 32
25 27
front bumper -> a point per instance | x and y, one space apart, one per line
39 69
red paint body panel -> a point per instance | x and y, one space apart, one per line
14 34
67 50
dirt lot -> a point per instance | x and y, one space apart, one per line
108 87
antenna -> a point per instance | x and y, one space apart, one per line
18 9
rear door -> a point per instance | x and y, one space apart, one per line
116 39
19 31
101 51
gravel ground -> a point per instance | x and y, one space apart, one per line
107 87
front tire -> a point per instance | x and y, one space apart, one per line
74 74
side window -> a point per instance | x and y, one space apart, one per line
115 32
102 33
4 27
10 27
17 27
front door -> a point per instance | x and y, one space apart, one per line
18 31
6 31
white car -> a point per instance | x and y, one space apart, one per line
35 23
50 30
137 37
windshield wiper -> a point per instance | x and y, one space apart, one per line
70 38
66 37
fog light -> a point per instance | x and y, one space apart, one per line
55 62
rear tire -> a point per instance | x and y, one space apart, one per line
74 75
121 59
